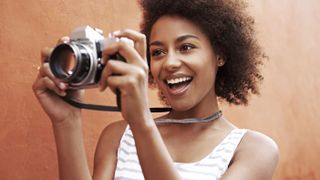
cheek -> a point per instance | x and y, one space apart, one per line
205 68
202 64
154 69
210 72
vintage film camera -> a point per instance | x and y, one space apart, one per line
78 62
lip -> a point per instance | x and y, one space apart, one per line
179 91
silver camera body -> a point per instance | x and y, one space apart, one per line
79 61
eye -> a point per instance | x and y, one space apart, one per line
157 52
186 47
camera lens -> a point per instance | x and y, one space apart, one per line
70 62
67 61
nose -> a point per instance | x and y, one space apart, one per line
172 62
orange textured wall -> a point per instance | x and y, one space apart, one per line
286 110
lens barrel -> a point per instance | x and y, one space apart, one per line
70 62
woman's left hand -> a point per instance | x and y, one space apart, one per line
130 77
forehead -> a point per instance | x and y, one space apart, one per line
171 27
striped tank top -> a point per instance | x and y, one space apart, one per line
212 167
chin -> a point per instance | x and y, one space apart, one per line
181 106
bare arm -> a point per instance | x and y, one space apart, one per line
256 158
105 158
65 119
155 160
71 152
132 81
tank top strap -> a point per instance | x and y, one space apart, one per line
128 165
227 148
211 167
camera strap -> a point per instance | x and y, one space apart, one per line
107 108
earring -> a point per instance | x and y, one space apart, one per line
220 61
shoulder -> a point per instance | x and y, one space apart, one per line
256 143
255 158
113 133
114 127
106 152
110 137
259 151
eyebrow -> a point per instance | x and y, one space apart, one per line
178 40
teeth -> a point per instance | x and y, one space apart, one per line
178 80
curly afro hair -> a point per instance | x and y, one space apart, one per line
231 32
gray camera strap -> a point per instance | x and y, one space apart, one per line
212 117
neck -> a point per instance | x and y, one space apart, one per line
205 108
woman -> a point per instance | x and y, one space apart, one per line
197 52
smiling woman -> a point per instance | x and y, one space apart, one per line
230 30
186 62
196 52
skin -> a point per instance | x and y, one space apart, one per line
184 52
178 48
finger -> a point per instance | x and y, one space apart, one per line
49 84
124 75
45 53
113 68
139 39
122 83
104 75
128 52
115 82
64 39
45 84
45 71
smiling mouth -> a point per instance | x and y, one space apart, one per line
178 83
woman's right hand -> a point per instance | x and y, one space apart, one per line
47 89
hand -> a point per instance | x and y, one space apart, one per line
47 89
131 78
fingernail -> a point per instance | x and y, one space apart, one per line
62 85
65 39
116 33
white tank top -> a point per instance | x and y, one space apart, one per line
212 167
